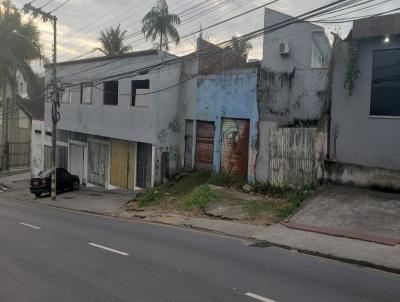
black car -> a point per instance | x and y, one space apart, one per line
42 183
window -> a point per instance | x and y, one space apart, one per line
111 93
139 87
317 60
385 92
86 93
66 94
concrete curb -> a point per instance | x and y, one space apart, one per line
341 233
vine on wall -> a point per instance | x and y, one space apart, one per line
352 71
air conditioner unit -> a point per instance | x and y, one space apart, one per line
284 49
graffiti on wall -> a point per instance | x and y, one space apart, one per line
235 146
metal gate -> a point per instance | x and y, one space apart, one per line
143 165
188 157
235 146
122 163
98 163
62 157
76 162
205 145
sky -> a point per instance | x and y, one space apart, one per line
80 21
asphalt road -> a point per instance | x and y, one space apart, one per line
48 254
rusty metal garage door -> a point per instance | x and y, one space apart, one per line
205 145
188 159
235 146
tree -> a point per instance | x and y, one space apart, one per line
240 48
158 22
112 42
18 48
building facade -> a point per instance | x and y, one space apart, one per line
118 131
365 122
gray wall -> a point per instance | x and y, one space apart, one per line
289 89
356 137
300 38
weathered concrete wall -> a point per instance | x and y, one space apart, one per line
292 98
361 176
356 137
290 156
156 122
37 145
233 95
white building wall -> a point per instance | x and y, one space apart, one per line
155 123
37 146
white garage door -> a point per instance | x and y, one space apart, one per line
76 162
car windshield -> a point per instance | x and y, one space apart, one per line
45 173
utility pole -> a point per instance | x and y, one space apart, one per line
55 92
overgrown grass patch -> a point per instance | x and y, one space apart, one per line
177 189
199 198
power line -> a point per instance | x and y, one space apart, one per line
185 12
249 36
47 3
61 5
216 24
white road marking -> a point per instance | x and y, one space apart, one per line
30 226
259 298
108 249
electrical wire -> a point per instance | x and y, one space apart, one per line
61 5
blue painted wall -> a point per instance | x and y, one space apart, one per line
230 95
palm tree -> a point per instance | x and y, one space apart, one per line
112 42
240 48
19 47
158 22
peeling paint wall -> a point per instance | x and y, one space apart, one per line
37 147
158 124
290 156
230 95
295 97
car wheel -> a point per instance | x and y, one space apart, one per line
38 195
75 185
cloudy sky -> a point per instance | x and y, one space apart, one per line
80 21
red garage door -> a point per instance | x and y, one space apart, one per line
235 146
205 145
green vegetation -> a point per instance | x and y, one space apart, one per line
295 198
230 180
199 198
112 41
158 22
191 192
178 189
18 48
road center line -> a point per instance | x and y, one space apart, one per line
108 249
30 226
258 297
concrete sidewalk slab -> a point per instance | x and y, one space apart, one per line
341 233
225 227
352 210
366 253
83 200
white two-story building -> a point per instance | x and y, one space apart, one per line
119 123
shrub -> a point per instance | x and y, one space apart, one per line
199 198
